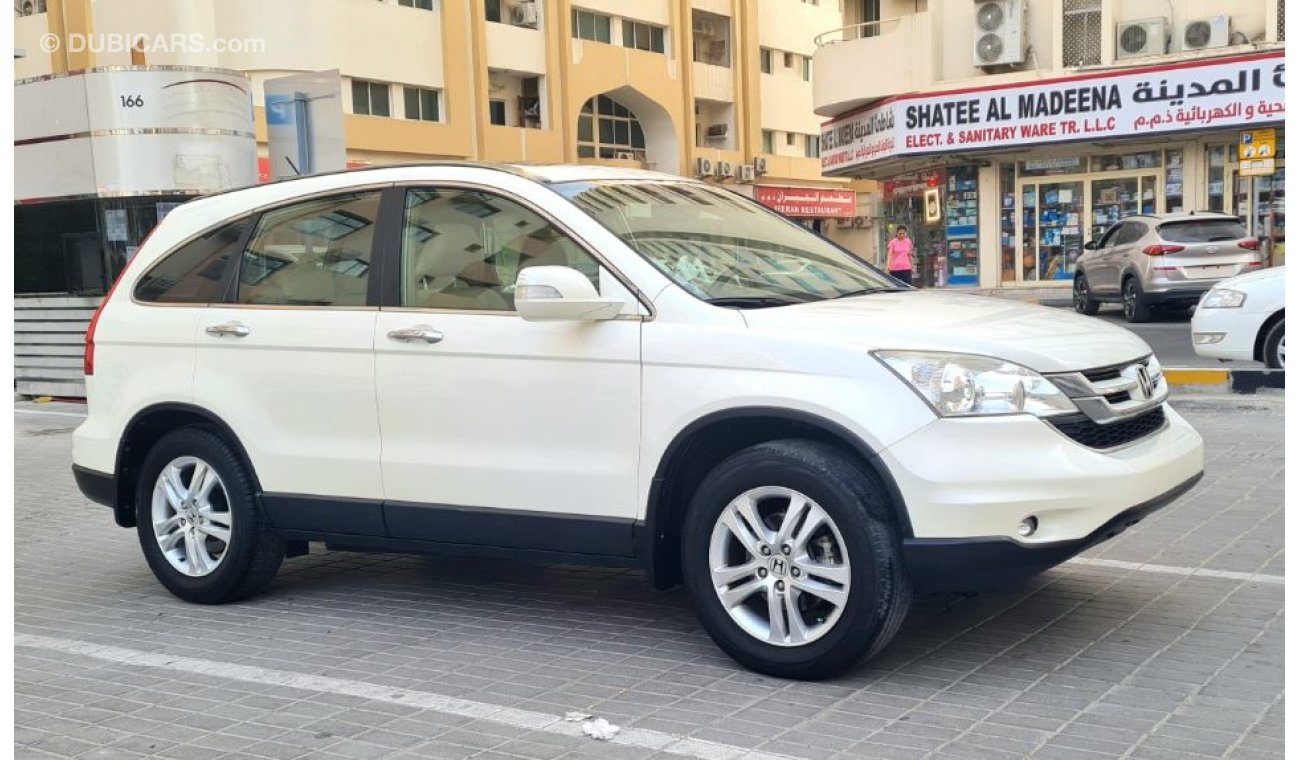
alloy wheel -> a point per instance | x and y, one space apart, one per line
1130 299
191 516
1080 294
1280 352
779 566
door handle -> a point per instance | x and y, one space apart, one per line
234 329
419 332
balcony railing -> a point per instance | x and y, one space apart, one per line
857 31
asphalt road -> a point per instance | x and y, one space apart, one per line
1170 336
1166 642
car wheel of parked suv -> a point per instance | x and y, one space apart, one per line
1135 309
199 523
1275 346
792 560
1084 303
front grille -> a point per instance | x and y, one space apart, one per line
1094 436
1102 374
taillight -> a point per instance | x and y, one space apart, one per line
1161 250
1250 244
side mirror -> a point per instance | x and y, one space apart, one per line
1091 245
554 293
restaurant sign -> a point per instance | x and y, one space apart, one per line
808 202
1213 94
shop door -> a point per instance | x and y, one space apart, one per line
1052 230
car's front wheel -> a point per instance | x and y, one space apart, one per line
792 560
1084 303
198 521
1275 346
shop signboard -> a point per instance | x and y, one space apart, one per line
808 202
1158 100
1256 152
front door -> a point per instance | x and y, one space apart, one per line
288 363
496 430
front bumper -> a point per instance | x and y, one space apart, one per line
975 479
979 564
1238 327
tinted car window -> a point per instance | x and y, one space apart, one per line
1130 232
192 273
315 253
1202 230
1109 238
463 249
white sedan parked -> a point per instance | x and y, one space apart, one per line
1244 318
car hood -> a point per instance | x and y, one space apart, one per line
1252 278
1043 339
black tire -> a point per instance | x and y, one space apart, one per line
1136 308
254 552
852 496
1275 346
1084 303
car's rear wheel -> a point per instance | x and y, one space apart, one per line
198 522
1135 307
1084 303
792 561
1275 346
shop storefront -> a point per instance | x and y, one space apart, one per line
1003 186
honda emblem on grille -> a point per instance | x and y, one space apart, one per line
1145 382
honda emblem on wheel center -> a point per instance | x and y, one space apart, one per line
778 566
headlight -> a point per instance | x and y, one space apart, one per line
1223 298
958 385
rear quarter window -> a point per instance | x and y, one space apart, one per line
193 272
1203 231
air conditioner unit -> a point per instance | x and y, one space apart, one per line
724 169
1146 37
1001 32
703 167
760 165
625 155
746 174
524 14
716 131
845 222
861 222
1213 32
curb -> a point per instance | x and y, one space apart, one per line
1194 380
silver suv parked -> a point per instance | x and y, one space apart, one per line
1162 261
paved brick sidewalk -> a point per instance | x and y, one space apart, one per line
1086 661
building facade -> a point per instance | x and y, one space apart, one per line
1006 134
713 88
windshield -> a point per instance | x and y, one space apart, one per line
722 247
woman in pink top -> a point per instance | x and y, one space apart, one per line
900 256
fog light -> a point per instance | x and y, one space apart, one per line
1028 526
1205 339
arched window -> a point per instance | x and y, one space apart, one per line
607 129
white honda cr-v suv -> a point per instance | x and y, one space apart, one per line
612 367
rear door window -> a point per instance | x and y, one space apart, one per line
1203 231
1130 232
193 272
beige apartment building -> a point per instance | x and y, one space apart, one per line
712 88
1006 134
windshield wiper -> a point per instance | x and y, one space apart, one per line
752 302
869 291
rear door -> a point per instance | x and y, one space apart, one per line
288 362
1211 249
1097 268
1124 252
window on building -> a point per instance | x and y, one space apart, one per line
370 98
464 249
1081 33
807 68
769 140
711 38
591 26
421 104
870 18
789 60
790 138
497 112
765 60
643 36
494 10
314 253
607 129
424 5
812 146
193 272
